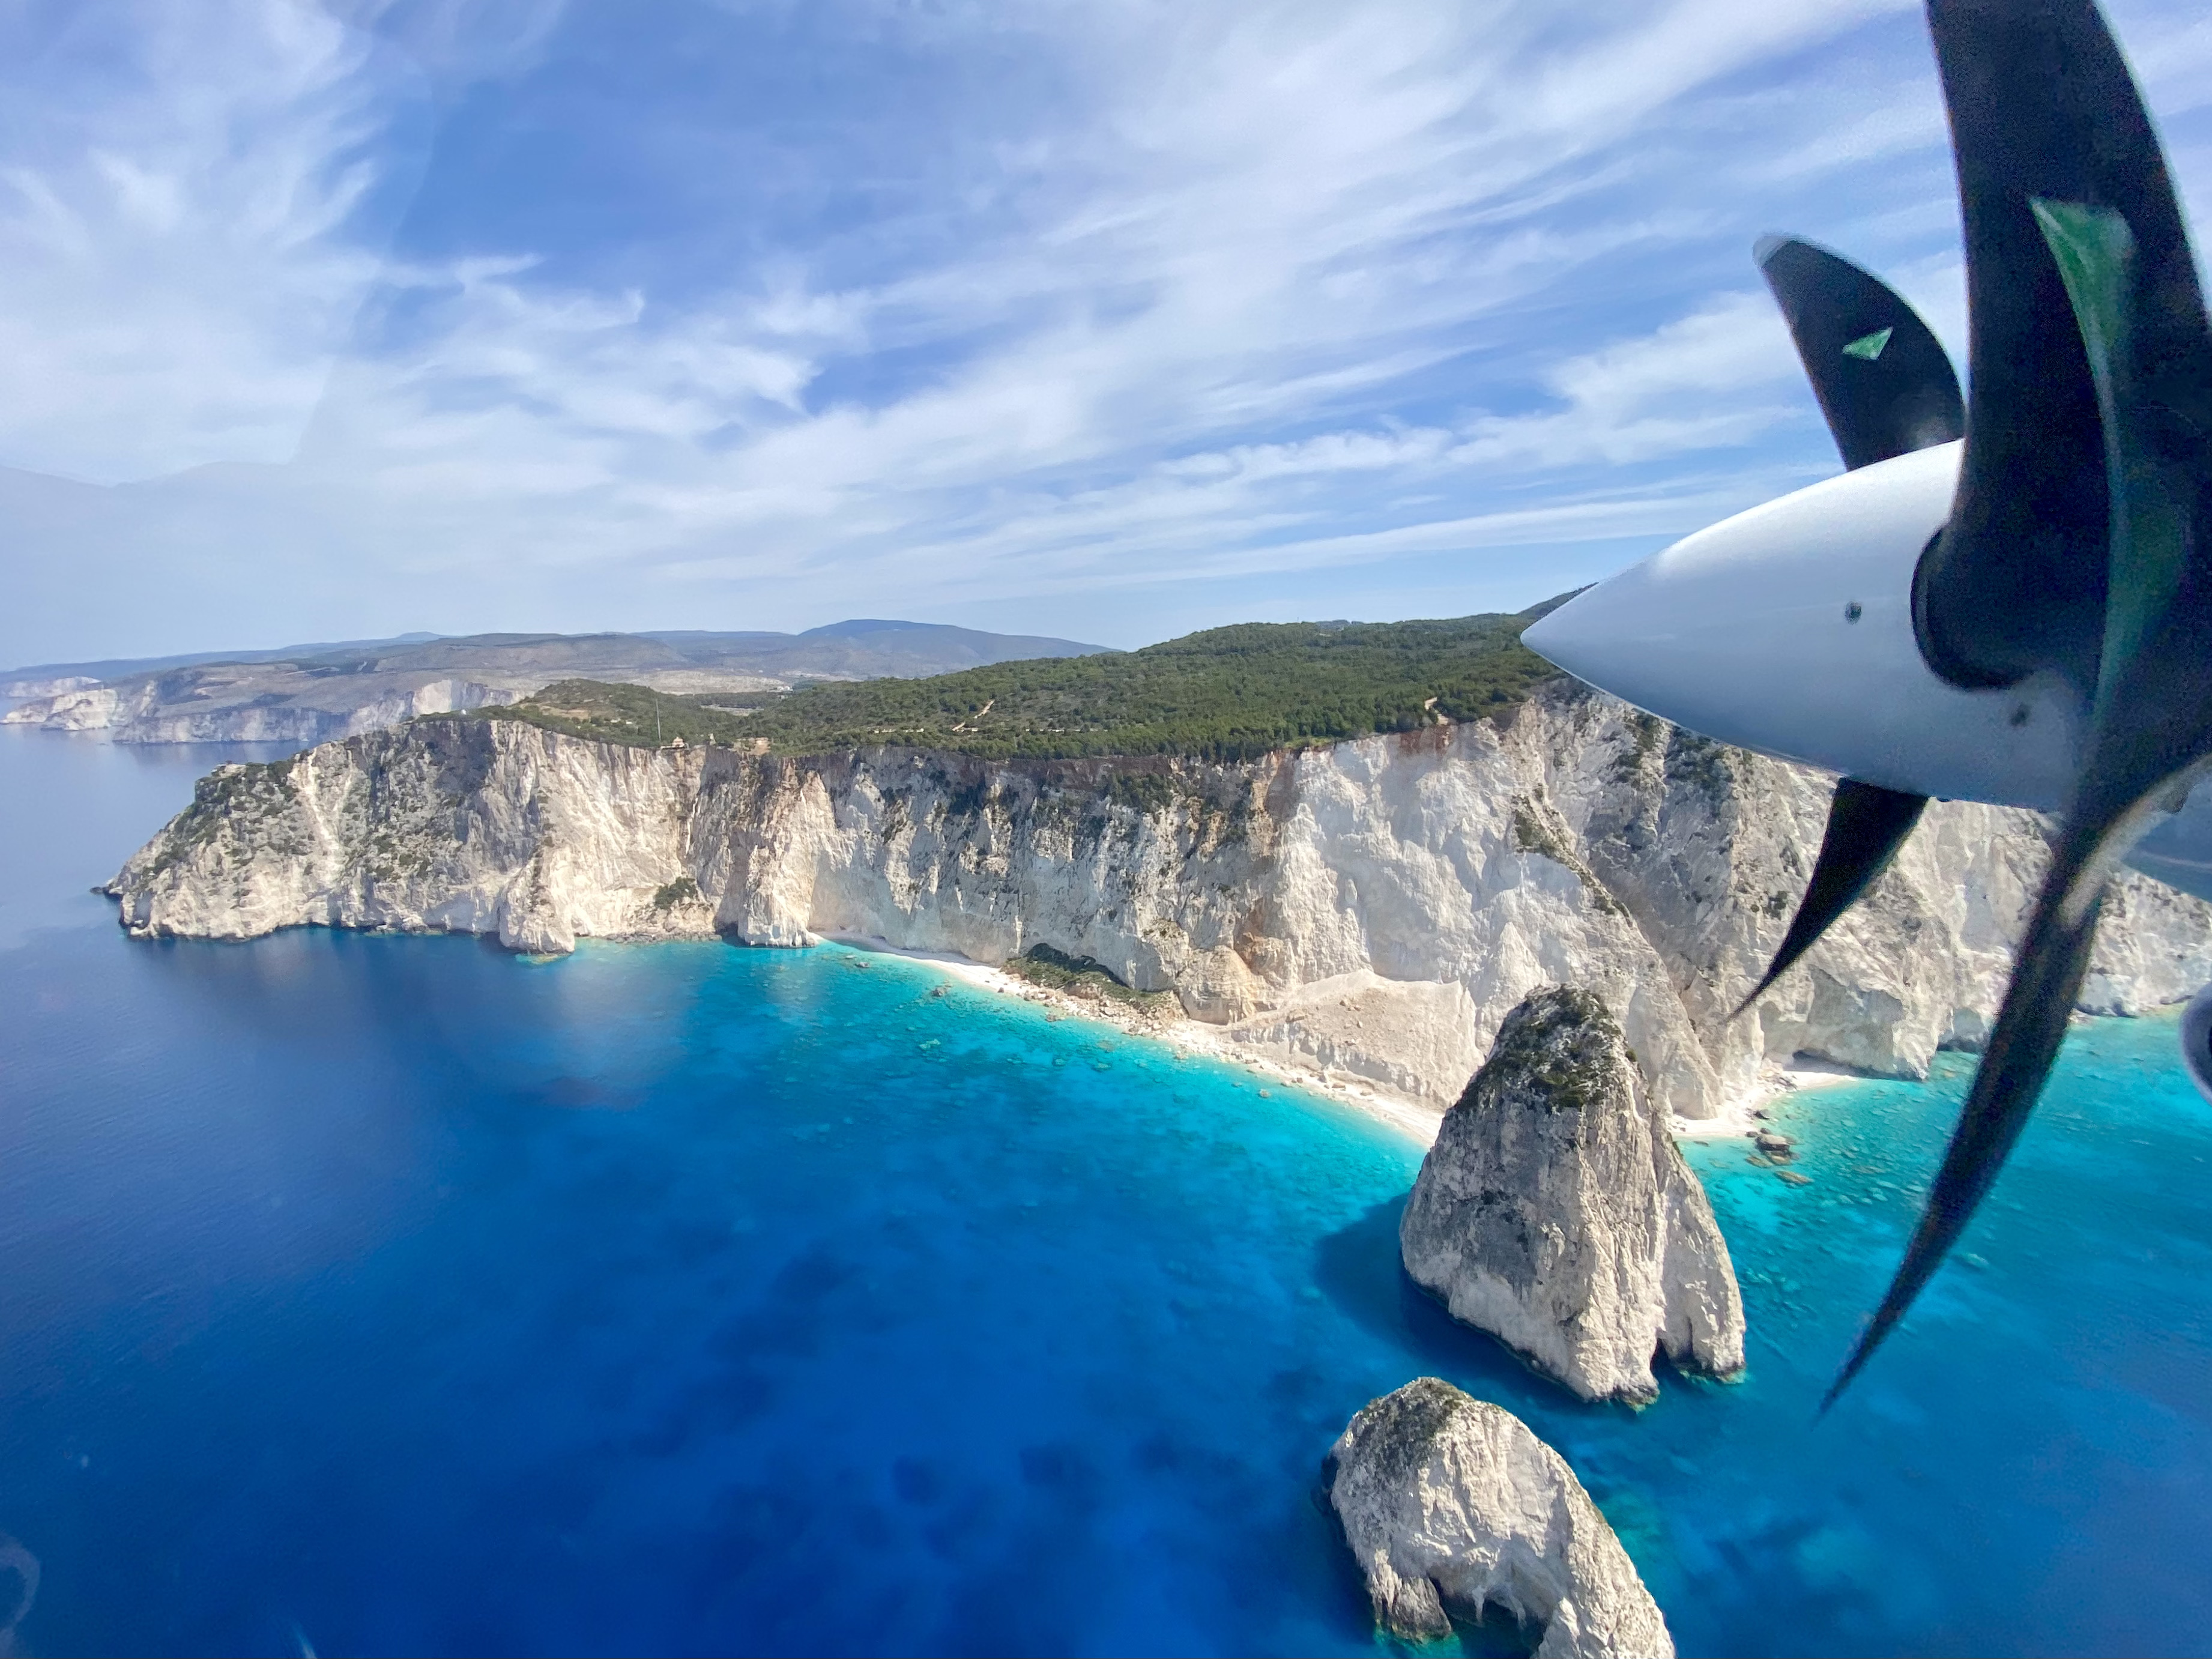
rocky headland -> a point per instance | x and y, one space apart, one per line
1556 1213
1451 1504
1370 909
253 705
313 694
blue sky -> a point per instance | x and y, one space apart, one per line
1106 318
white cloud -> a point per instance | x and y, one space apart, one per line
1276 191
178 262
1200 291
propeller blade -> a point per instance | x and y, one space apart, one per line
1866 826
2037 1007
2041 104
1883 380
2197 1040
2146 349
1887 388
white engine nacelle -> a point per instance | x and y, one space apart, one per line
1787 629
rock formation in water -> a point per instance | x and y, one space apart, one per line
1451 1504
1555 1211
1373 908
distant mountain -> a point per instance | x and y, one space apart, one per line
110 668
307 694
866 648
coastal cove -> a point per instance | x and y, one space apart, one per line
1186 1040
397 1293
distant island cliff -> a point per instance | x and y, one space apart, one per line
1372 906
312 694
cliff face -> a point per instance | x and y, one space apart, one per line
156 710
1375 908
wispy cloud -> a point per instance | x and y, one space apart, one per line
1007 303
182 195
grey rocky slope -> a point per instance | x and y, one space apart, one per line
1374 908
1451 1504
318 693
1555 1211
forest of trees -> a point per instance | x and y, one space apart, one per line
1225 693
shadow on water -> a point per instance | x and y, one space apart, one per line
1489 1632
1357 1268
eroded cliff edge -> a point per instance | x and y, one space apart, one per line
1374 908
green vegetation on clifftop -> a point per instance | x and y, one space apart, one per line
1227 694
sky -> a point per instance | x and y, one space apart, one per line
1108 319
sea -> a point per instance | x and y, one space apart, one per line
400 1296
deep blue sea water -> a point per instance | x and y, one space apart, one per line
398 1296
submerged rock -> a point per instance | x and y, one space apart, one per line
1555 1211
1449 1502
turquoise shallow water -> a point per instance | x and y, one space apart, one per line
395 1295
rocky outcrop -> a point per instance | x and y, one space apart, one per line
1373 908
52 686
1451 1504
1555 1211
200 706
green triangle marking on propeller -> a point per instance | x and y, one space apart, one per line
1868 347
1905 399
1899 392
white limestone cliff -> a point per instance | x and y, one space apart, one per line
137 711
1374 908
1556 1213
1451 1503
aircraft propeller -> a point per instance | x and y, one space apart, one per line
2079 546
1887 389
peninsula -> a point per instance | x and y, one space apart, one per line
1354 848
311 693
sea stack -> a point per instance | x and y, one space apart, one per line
1451 1502
1555 1211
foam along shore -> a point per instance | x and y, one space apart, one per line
1746 1114
1415 1120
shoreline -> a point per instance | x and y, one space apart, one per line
1419 1122
1416 1122
1746 1115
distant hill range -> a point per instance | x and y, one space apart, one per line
310 693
